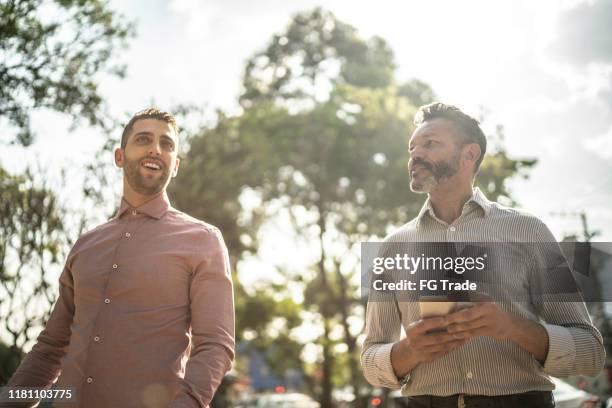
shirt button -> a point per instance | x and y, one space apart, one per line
89 380
97 339
127 235
452 229
469 375
107 301
115 266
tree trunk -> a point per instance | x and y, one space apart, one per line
344 305
326 381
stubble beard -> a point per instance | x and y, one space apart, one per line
423 186
141 184
436 173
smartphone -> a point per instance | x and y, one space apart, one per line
435 306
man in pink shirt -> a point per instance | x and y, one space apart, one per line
145 314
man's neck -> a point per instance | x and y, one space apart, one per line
448 201
136 199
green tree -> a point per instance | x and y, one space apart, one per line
212 177
32 241
498 168
314 54
348 156
219 167
417 91
50 54
302 69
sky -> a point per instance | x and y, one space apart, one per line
541 69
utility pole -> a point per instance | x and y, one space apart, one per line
587 234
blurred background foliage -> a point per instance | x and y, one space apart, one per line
319 147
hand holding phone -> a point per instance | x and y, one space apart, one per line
435 306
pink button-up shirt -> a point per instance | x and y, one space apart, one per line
145 314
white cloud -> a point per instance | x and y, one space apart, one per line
600 145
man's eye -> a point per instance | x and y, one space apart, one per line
168 145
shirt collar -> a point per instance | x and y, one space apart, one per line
480 199
477 198
155 207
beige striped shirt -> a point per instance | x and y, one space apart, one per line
483 366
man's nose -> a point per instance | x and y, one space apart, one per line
155 149
416 153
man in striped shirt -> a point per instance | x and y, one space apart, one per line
494 354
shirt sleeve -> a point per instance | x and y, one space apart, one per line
382 329
212 326
575 346
41 367
383 326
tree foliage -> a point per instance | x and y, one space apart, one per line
498 168
32 243
219 167
314 54
343 163
50 54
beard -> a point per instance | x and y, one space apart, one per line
142 184
434 172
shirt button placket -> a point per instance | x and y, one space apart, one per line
451 234
107 300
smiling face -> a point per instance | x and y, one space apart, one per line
435 155
149 158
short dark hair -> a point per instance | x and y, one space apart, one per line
149 113
466 125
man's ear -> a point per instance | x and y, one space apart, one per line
119 158
176 167
471 153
